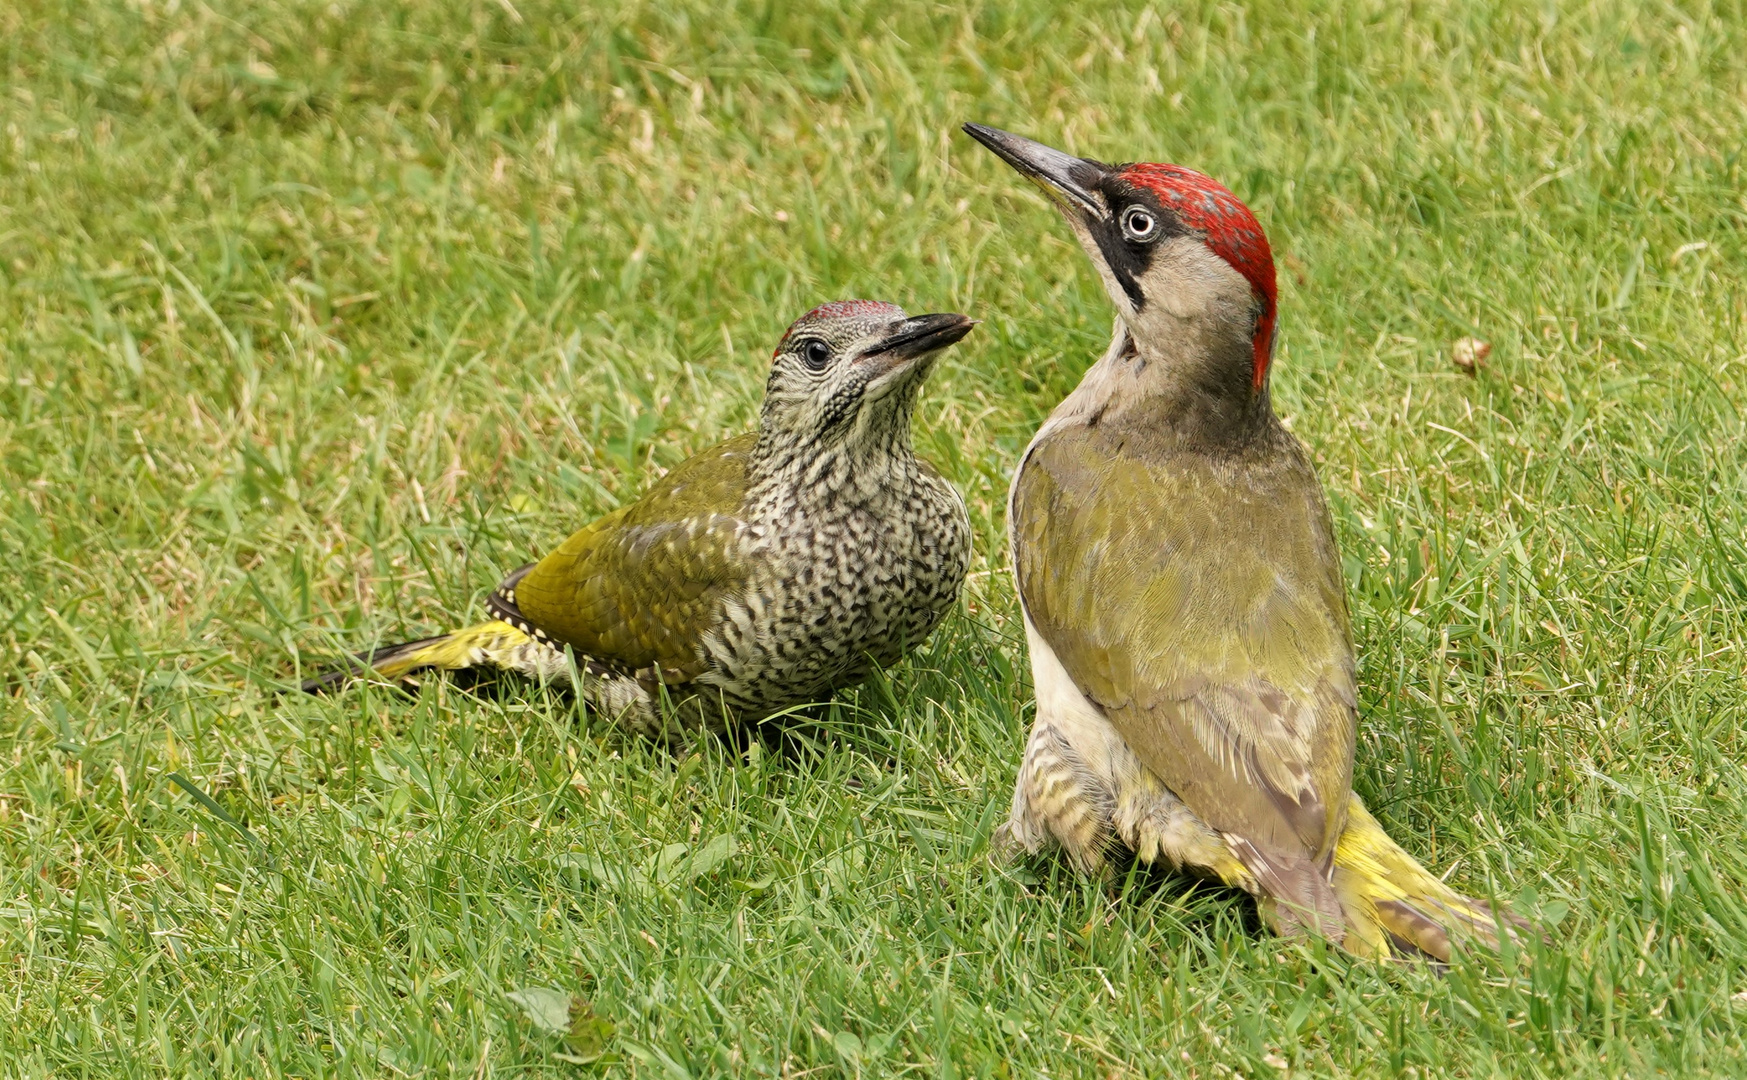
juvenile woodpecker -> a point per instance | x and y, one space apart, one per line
761 574
1184 603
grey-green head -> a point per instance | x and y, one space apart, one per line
845 376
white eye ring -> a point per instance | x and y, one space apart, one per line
1138 224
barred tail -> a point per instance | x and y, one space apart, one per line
1394 906
489 644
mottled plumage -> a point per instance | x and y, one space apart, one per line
763 573
1183 597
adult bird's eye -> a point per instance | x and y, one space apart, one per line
816 354
1139 224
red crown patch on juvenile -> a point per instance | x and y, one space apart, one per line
853 309
841 309
1229 230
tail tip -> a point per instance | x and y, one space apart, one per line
369 663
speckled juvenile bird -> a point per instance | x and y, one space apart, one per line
761 574
1183 597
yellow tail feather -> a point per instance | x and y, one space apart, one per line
1395 906
470 647
489 644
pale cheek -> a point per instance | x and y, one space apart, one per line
1188 282
1181 297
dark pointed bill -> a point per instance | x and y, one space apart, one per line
1067 179
919 336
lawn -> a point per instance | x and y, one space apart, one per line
317 317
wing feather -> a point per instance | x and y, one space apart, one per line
641 587
1199 603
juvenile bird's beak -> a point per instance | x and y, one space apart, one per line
1070 181
914 338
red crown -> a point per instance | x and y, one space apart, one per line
1228 229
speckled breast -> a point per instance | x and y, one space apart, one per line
849 590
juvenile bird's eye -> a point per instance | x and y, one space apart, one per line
816 354
1138 224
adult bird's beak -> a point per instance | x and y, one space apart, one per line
914 338
1070 181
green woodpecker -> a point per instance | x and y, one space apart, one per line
1183 598
761 574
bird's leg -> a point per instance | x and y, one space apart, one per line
1057 798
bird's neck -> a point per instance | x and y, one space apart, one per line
856 467
1191 387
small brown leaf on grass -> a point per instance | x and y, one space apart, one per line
1470 353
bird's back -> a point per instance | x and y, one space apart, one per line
642 586
1194 596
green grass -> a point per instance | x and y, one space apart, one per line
317 317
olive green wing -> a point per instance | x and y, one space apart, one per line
642 586
1204 612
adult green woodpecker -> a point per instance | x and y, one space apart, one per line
761 574
1183 597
